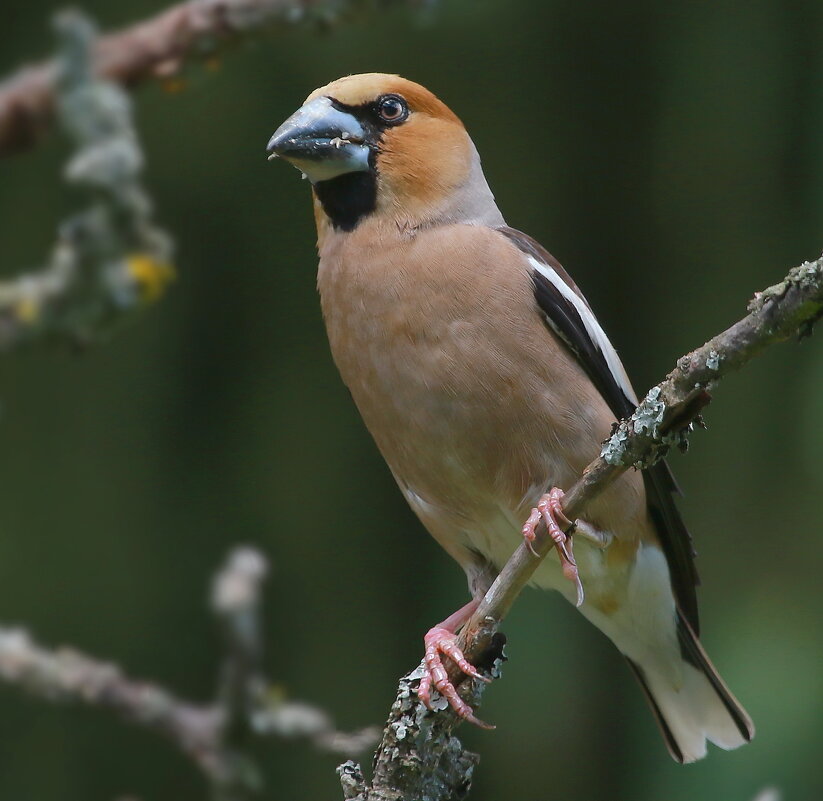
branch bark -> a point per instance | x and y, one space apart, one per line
154 48
417 742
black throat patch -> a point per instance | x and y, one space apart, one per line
348 198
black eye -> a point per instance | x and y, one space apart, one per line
392 109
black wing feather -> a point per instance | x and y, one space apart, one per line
564 320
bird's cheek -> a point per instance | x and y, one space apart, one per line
422 164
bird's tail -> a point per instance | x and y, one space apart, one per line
695 707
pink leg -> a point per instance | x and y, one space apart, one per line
550 510
442 639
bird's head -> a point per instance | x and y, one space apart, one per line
377 145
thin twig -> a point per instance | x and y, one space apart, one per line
414 737
155 48
236 596
235 600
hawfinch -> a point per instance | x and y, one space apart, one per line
487 383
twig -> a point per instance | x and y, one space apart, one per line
215 736
110 257
69 675
155 48
236 602
782 312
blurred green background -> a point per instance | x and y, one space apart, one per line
670 155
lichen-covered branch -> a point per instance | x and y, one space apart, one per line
417 743
216 735
419 757
110 257
156 48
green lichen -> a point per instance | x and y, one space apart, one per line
807 277
638 441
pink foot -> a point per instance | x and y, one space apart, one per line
441 640
550 510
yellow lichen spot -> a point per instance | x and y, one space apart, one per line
27 310
151 276
173 85
212 64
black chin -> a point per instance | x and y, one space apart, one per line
348 198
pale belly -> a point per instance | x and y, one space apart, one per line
477 410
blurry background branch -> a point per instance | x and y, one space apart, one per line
112 258
216 736
157 48
109 258
419 757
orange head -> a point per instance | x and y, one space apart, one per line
379 145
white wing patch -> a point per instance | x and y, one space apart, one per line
593 328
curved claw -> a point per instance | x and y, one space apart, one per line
550 510
439 641
570 570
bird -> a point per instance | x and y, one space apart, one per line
488 384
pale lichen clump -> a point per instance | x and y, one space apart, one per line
806 277
623 450
110 258
419 751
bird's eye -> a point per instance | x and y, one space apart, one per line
392 109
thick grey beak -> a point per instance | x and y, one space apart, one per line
321 141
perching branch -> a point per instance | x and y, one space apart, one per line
415 741
214 736
155 48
